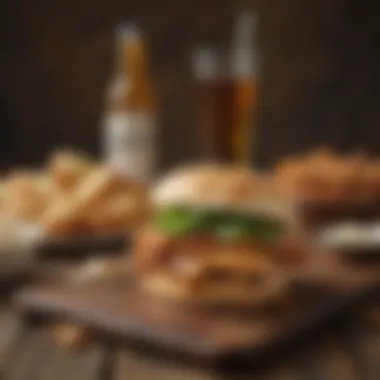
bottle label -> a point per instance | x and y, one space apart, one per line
130 144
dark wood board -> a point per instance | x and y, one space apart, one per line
362 255
118 308
82 246
23 264
317 214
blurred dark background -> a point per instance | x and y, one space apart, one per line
320 71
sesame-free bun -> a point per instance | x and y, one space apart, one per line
223 187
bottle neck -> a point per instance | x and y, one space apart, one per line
131 60
131 75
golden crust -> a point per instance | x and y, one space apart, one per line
27 195
104 201
322 175
74 196
216 274
67 168
163 285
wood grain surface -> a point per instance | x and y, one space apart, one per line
331 354
325 287
348 348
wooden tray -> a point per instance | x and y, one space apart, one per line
116 307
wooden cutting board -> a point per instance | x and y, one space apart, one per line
117 307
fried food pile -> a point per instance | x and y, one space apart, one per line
74 195
324 175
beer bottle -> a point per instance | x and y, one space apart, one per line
130 122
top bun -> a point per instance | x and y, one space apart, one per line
223 186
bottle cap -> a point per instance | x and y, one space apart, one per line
207 63
128 30
246 29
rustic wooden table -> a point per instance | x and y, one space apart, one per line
347 349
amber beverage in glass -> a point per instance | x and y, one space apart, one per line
214 105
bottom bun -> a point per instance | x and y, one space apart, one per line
164 286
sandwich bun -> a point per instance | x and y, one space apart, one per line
223 187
